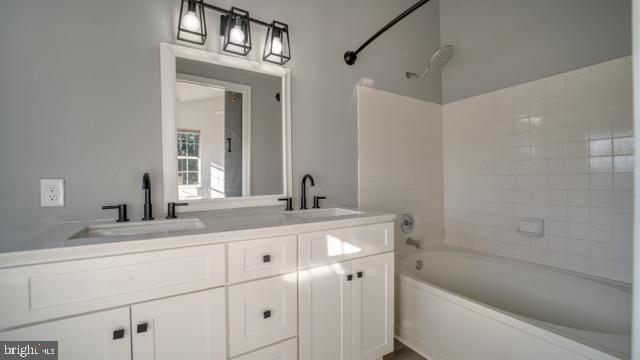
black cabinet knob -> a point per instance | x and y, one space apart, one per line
266 314
118 334
360 274
349 277
141 328
266 258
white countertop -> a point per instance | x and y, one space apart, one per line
221 226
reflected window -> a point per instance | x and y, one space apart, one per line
188 142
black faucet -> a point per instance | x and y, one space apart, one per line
146 186
303 198
171 209
122 211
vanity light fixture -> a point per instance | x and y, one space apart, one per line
277 48
236 29
192 26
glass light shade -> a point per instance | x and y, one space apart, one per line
191 22
237 32
277 48
192 26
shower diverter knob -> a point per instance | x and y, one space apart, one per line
407 223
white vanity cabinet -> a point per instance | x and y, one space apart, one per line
318 295
346 308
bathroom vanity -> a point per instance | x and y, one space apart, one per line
250 284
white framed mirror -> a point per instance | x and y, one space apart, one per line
226 129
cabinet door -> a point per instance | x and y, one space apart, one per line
373 306
262 312
325 312
189 326
100 336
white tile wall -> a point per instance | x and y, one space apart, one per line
400 160
559 148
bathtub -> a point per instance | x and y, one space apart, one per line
464 305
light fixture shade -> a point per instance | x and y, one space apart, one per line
192 25
237 32
277 48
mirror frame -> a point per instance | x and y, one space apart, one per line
168 55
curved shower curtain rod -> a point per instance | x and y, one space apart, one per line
350 57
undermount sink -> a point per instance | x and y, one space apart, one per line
138 228
323 213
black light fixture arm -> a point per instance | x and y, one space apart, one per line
228 12
350 57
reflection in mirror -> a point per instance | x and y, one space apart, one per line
228 132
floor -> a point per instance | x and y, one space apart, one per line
401 352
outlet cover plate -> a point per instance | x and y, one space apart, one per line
51 192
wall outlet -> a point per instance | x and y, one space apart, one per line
51 192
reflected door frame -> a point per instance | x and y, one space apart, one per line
168 54
245 90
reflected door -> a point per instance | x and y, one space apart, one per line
233 137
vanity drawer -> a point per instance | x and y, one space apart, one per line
262 312
286 350
331 246
41 292
254 259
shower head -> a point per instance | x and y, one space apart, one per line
438 61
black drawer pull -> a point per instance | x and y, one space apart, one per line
266 258
360 274
118 334
266 314
349 277
142 328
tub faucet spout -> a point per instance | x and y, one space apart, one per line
414 242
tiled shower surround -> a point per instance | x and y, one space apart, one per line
400 161
558 149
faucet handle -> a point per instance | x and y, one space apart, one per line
316 201
122 211
289 201
171 209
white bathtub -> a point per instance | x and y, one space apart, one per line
464 305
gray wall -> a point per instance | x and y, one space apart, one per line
266 121
80 95
501 43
